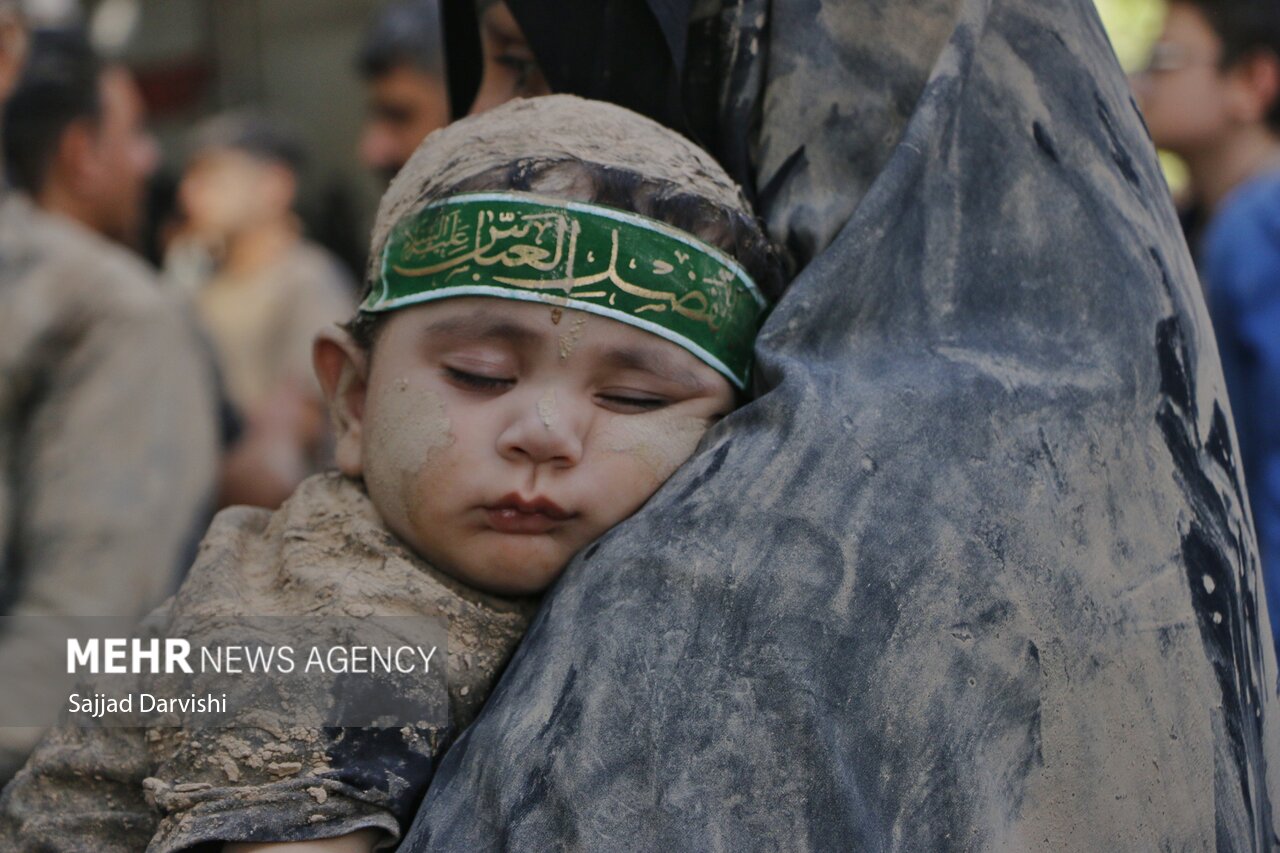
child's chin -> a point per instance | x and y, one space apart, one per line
516 583
513 574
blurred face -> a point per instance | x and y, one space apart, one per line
119 158
498 438
226 191
510 69
1184 95
13 47
405 104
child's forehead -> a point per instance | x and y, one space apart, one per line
519 322
578 338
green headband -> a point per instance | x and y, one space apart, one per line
609 262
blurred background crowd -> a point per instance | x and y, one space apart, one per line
236 150
245 146
188 190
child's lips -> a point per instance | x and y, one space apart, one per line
515 521
514 514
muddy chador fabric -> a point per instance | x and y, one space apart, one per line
107 452
320 573
975 570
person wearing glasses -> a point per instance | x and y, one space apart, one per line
1211 95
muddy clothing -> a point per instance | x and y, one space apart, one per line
973 571
1240 265
263 325
322 566
108 450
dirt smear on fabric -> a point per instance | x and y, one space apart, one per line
321 570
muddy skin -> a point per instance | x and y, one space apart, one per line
547 409
662 445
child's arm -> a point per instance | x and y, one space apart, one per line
80 783
355 842
339 789
86 782
274 763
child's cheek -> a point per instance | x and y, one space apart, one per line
659 442
409 431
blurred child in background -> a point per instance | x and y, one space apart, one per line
262 291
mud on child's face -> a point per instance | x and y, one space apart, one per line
501 437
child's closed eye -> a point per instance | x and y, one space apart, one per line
477 381
628 403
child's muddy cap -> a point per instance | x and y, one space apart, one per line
576 204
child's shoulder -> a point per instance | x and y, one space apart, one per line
324 567
339 738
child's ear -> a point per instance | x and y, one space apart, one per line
342 367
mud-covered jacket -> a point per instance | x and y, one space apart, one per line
321 572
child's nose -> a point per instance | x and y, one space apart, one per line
542 431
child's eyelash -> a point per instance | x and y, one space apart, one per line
474 380
479 382
647 403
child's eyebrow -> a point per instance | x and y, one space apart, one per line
482 327
657 363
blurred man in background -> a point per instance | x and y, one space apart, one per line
13 46
76 140
108 446
262 291
402 62
1212 96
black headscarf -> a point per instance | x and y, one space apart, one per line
628 52
974 570
647 55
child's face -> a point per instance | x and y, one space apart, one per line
225 191
497 438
